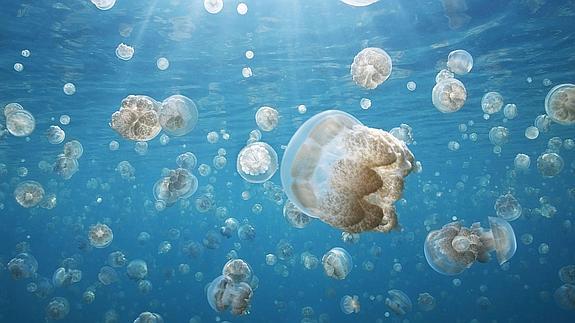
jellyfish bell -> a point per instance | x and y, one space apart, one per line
449 95
503 239
492 102
550 164
29 193
178 115
398 302
137 269
344 173
137 119
507 207
19 122
149 317
57 309
24 265
257 162
100 235
267 118
371 67
359 3
294 216
565 296
350 304
460 62
337 263
560 104
238 270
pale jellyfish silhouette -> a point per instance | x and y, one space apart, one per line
337 263
213 6
124 52
107 275
29 193
499 135
522 162
149 317
100 235
371 67
460 62
137 269
267 118
19 122
178 115
454 248
57 309
104 4
344 173
224 294
426 302
550 164
560 104
178 184
565 296
187 160
359 3
507 207
73 149
491 102
350 304
567 274
443 75
55 135
65 167
66 277
24 265
238 270
137 118
308 260
257 162
398 302
294 216
449 95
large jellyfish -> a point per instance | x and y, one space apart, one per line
550 164
460 62
350 304
491 102
507 207
149 317
565 296
24 265
449 95
398 302
137 118
337 263
223 294
257 162
178 115
454 248
371 67
100 235
29 193
57 309
238 270
560 104
294 216
344 173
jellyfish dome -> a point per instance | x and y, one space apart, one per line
344 173
19 122
337 263
350 304
100 235
29 193
565 296
257 162
55 135
267 118
499 135
522 162
73 149
503 237
57 309
179 184
371 67
507 207
426 302
137 269
460 62
24 265
359 3
187 160
104 4
238 270
213 6
107 275
294 216
398 302
560 104
567 274
443 75
178 115
550 164
223 294
492 102
65 167
449 95
137 118
149 317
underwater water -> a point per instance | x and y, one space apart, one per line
112 206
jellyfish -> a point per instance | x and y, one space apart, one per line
371 67
350 304
309 261
460 62
550 164
24 265
443 75
137 118
344 173
73 149
55 135
284 250
19 122
359 3
213 6
426 302
567 274
238 270
104 4
492 102
179 184
565 296
187 161
449 95
499 135
57 309
107 275
149 317
100 235
267 118
162 63
454 248
246 232
192 249
126 170
29 193
522 162
223 294
560 104
337 263
510 111
212 240
398 302
455 11
294 216
88 297
178 115
117 259
507 207
66 277
257 162
404 133
137 269
65 167
124 52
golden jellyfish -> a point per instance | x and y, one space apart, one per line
560 104
137 118
238 270
100 235
371 67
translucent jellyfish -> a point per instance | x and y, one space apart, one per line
137 118
29 193
63 277
350 304
337 263
567 274
212 240
55 135
104 4
126 170
309 261
223 294
117 259
499 135
454 248
510 111
107 275
187 160
162 63
398 302
271 259
531 132
460 62
213 6
550 164
492 102
294 216
88 297
19 122
137 269
69 88
365 103
426 302
145 286
73 149
100 235
522 162
149 317
359 3
238 270
57 309
246 232
404 133
24 265
560 104
267 118
443 75
507 207
179 184
449 95
65 167
371 67
344 173
565 296
242 8
124 52
257 162
411 86
178 115
543 123
18 67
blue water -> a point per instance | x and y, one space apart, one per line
303 52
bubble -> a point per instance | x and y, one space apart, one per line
124 52
149 317
449 95
531 132
19 122
565 296
492 102
162 63
247 72
137 269
426 302
138 118
257 162
242 8
443 75
507 207
69 88
549 164
337 263
398 302
365 103
24 265
100 235
25 53
359 3
224 294
29 193
104 4
350 304
18 67
267 118
460 62
327 172
499 135
510 111
213 6
371 67
411 86
57 309
178 115
55 135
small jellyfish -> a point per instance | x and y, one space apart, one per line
398 302
426 302
213 6
65 167
371 67
223 294
65 119
257 162
294 216
543 123
443 75
137 118
449 95
24 265
271 259
565 296
246 232
309 261
107 275
499 135
507 207
365 103
560 104
242 8
63 277
212 240
411 86
359 3
492 102
567 274
247 72
100 235
114 145
137 269
18 67
29 193
88 297
57 309
337 263
124 52
238 270
350 304
162 63
267 118
19 122
550 164
69 88
104 4
510 111
522 162
178 115
141 148
531 132
179 184
187 160
55 135
404 133
117 259
460 62
149 317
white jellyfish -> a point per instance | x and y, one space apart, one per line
24 265
73 149
550 164
510 111
124 52
499 135
137 118
337 263
57 309
267 118
69 88
100 235
443 75
295 217
213 6
162 63
398 302
492 102
449 95
522 162
19 122
178 115
350 304
371 67
460 62
55 135
257 162
104 4
238 270
359 3
29 193
560 104
507 207
137 269
149 317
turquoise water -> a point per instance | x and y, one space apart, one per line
303 51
